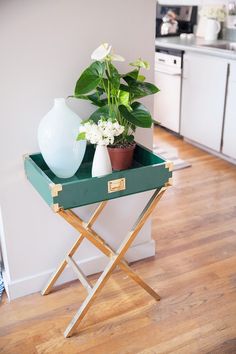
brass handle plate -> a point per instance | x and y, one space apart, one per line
116 185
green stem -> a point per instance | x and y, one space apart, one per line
108 88
104 86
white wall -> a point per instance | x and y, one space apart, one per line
44 45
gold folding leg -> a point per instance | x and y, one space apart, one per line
116 258
69 259
94 238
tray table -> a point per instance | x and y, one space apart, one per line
148 172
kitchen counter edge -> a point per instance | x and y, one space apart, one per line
198 45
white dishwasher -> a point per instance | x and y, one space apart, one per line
168 76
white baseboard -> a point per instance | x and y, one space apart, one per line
211 151
29 285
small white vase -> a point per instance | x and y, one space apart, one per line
101 162
57 134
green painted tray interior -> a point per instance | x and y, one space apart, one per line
142 157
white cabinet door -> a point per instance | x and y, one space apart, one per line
203 96
229 137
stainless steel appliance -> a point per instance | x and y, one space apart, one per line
186 17
168 76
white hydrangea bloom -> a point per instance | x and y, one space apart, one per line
102 133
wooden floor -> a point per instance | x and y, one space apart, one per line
194 271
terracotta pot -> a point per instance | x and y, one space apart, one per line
121 157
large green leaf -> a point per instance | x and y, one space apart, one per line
141 89
100 112
94 98
114 76
142 114
130 76
90 78
103 102
138 89
139 116
124 88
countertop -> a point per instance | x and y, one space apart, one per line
195 44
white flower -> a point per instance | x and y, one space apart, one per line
101 52
102 133
104 52
116 57
118 129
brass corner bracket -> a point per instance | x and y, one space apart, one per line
25 156
169 165
55 189
56 207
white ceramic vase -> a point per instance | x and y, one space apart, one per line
57 134
101 162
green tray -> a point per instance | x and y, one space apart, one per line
148 171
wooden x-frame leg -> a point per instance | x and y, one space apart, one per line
116 257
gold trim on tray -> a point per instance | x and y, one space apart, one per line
55 189
169 165
116 185
25 156
56 207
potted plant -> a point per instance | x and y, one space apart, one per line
116 96
101 134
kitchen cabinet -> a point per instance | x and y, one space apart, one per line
229 134
203 99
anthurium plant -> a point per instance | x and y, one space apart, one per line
116 95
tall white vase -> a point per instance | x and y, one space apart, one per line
101 162
57 134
